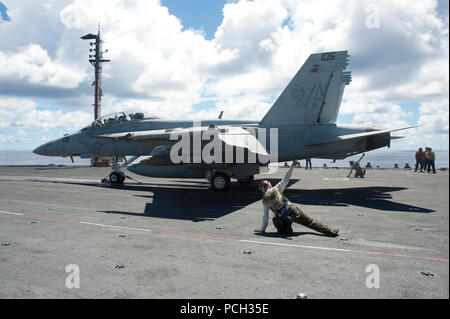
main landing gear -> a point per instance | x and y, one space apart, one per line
221 182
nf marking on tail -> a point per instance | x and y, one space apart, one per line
314 94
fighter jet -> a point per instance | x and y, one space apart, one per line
300 124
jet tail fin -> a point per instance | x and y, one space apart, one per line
315 93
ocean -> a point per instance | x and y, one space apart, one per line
383 159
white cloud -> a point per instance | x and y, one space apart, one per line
434 117
30 116
33 64
158 67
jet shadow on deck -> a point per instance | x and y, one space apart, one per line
196 204
374 197
194 200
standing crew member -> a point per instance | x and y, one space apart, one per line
285 212
431 157
359 172
419 160
308 163
426 166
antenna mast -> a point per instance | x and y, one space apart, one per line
96 59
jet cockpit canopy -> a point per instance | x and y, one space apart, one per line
118 117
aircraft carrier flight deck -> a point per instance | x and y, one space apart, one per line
177 238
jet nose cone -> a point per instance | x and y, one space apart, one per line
38 150
44 149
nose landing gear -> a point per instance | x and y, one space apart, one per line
117 177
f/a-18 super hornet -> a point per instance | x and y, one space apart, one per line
300 124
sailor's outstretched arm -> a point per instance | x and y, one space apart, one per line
360 158
265 220
282 185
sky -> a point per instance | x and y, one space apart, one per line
192 59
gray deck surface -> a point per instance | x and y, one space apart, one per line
180 239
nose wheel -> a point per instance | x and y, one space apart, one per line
117 177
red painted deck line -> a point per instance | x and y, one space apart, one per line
226 238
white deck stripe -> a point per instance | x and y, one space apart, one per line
10 213
119 227
293 245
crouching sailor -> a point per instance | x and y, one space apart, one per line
285 212
359 172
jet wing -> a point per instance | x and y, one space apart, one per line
231 135
349 137
239 137
151 134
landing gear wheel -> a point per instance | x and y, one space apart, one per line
220 182
116 178
246 180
